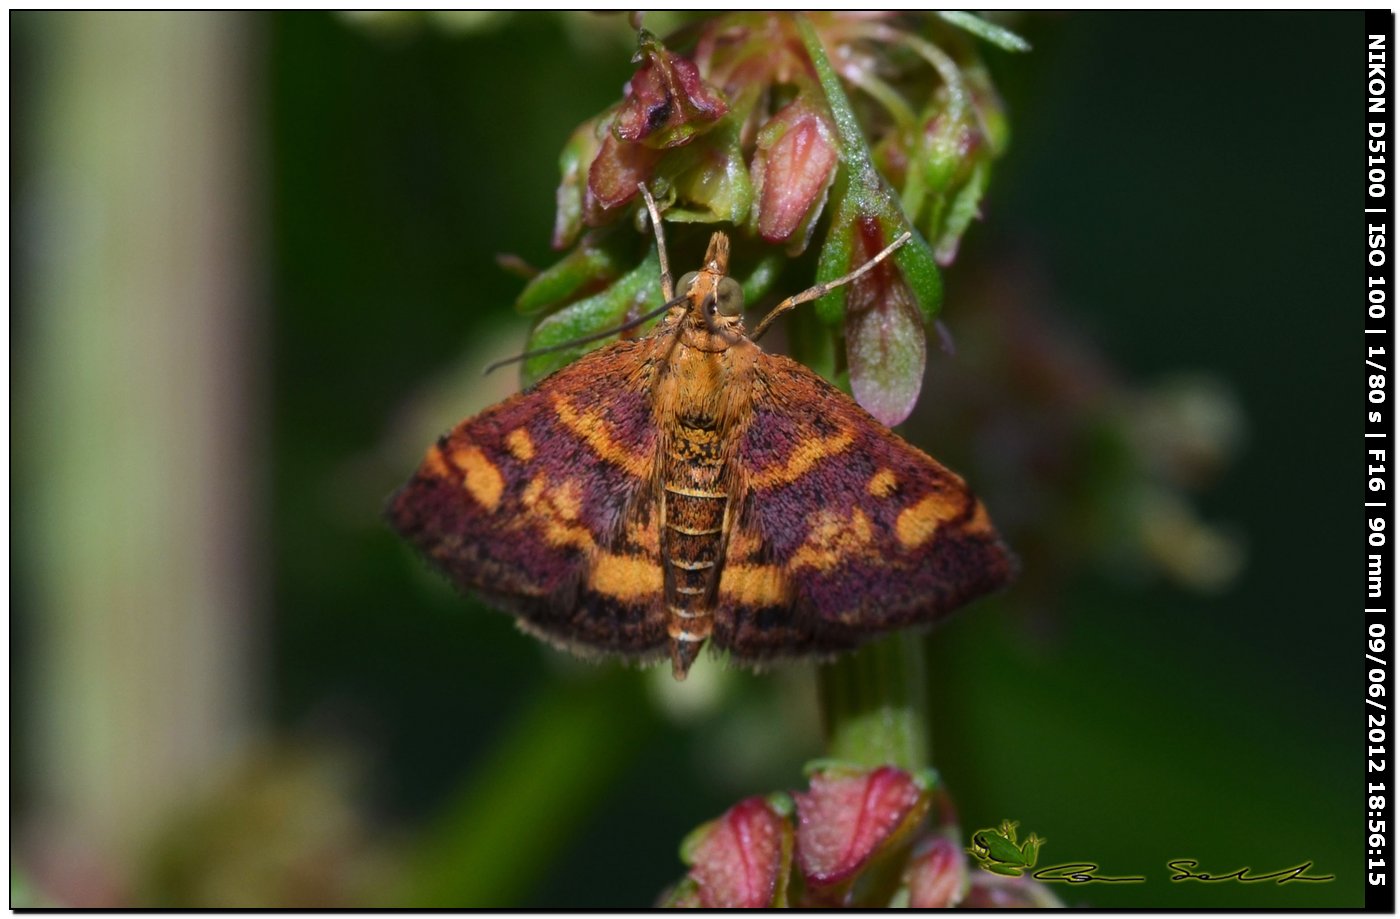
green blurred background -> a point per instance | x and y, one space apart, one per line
253 274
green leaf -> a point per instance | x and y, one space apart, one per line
1003 38
635 292
594 262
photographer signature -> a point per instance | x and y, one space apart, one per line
1183 869
999 851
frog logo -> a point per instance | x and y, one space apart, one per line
998 851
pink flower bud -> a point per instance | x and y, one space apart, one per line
849 817
613 177
937 874
792 168
742 860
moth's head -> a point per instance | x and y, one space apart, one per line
714 300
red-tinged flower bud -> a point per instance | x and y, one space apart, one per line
955 159
667 104
937 874
995 891
949 147
743 859
613 177
793 168
848 817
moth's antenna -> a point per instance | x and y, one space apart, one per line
630 324
667 291
821 290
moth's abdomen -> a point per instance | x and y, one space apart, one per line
695 515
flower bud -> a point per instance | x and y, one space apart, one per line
936 876
956 163
613 177
793 168
666 104
849 817
743 859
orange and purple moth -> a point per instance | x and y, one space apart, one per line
687 487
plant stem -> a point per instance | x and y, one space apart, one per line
874 706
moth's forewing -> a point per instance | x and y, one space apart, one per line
845 530
544 505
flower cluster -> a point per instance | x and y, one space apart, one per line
754 129
852 839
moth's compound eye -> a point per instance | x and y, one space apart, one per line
730 297
687 279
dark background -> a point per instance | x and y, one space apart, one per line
1182 190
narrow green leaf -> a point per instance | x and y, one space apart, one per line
592 263
864 179
635 292
1002 37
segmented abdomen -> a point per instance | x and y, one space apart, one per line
692 540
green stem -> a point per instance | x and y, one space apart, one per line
874 704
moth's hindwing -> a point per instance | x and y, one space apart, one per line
544 505
844 530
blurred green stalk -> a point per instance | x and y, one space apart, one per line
134 416
873 704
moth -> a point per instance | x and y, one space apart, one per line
687 487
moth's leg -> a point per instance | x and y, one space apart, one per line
823 289
667 291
